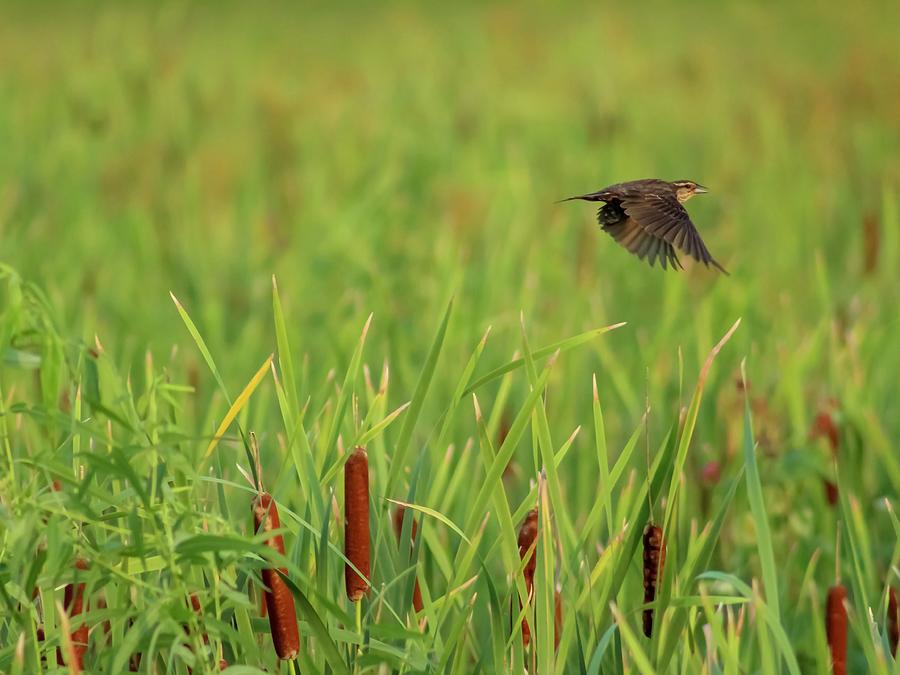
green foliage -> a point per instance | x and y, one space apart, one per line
379 161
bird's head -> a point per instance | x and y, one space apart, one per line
685 189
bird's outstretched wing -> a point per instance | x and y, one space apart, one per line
644 245
662 217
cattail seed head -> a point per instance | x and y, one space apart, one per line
836 628
198 610
823 426
654 562
279 601
356 524
74 606
711 472
557 619
397 517
397 520
528 533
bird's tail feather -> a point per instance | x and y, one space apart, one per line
590 197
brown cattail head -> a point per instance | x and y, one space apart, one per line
836 628
528 533
824 427
74 606
397 517
107 626
711 472
134 661
279 601
654 562
198 610
557 618
356 524
503 431
893 620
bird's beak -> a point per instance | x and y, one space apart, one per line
699 189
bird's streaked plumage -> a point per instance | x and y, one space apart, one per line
647 218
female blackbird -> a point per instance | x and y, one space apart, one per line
647 217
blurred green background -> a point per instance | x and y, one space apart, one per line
383 159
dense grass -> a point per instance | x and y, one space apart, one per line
402 163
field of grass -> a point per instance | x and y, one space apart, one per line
228 231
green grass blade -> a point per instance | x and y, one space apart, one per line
415 408
201 345
562 346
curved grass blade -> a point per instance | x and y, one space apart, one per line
201 345
434 514
238 405
542 353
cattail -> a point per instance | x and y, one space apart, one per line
654 562
503 431
711 472
557 619
356 524
893 620
824 427
107 626
836 628
398 531
279 601
527 536
74 606
134 661
198 610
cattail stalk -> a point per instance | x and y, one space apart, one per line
398 532
356 524
654 562
528 533
836 628
279 601
74 606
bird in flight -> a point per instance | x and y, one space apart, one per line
647 217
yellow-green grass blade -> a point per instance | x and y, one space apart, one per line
629 637
237 406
